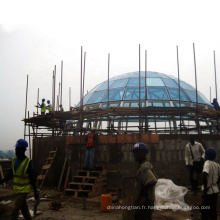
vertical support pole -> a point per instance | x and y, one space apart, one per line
58 98
177 52
54 88
146 120
29 139
81 107
139 92
69 97
109 120
37 99
216 91
84 70
61 95
26 107
197 121
108 77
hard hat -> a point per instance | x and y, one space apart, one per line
21 143
140 146
48 101
43 100
210 153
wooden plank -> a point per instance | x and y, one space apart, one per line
46 167
2 174
50 158
52 152
67 176
76 190
41 177
75 183
61 176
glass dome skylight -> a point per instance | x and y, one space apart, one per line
162 91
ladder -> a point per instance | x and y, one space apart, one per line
45 168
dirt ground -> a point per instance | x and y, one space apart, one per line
72 208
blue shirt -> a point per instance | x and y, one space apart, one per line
18 163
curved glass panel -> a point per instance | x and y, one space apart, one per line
133 93
157 93
136 74
135 81
162 75
119 83
104 85
114 94
174 94
96 97
203 97
152 74
154 82
191 95
185 85
170 83
86 98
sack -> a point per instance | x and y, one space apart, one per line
198 166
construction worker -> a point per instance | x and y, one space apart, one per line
145 181
49 107
23 177
91 140
215 104
61 108
210 176
42 106
194 158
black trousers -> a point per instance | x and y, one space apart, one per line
145 212
193 177
209 207
20 204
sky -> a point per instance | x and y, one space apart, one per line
36 36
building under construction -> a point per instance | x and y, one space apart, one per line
157 109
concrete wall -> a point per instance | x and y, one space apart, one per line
167 157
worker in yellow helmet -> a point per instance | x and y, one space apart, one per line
23 177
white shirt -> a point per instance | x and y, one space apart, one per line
197 150
213 170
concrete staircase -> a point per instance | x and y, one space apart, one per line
88 183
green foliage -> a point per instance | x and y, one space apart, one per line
9 154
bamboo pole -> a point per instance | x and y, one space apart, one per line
61 96
146 121
216 91
84 69
29 139
139 91
69 97
26 107
37 99
108 77
54 102
177 52
196 87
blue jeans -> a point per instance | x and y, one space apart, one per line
90 154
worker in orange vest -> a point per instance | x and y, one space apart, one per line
91 140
